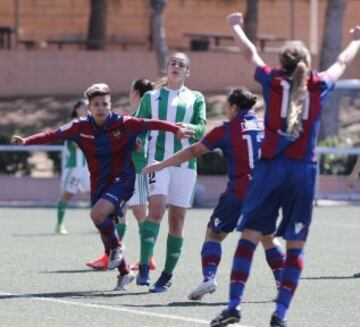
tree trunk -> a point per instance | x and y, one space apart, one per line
251 19
97 25
331 47
158 36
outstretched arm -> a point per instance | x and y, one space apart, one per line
250 52
335 71
193 151
40 138
353 177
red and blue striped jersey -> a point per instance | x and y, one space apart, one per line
239 139
276 91
107 149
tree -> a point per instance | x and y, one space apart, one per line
331 47
158 36
251 19
97 25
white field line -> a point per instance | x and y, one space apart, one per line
106 307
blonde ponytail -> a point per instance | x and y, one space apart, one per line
297 99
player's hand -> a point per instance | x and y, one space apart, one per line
235 18
352 181
17 140
355 33
153 168
138 145
184 131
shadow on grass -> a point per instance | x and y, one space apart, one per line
71 271
329 278
73 295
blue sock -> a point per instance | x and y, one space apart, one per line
275 258
290 278
240 271
108 231
210 258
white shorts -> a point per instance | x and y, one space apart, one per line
76 179
140 195
177 183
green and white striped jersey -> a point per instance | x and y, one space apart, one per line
73 156
139 159
176 106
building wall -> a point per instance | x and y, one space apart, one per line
32 73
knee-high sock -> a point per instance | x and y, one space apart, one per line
294 264
173 251
106 244
210 258
121 229
61 208
107 229
123 268
149 235
240 271
275 258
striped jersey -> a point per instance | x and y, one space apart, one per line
107 149
276 90
177 106
139 158
73 156
239 139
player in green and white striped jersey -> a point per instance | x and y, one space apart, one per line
172 186
75 173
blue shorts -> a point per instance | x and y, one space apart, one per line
280 183
118 193
226 213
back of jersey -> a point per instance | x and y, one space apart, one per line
239 140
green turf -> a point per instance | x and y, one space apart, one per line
56 288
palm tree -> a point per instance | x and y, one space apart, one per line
158 36
331 47
97 25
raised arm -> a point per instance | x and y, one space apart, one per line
193 151
250 52
353 177
336 70
40 138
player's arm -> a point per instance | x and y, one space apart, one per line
198 120
345 58
353 177
65 132
139 125
191 152
210 142
249 50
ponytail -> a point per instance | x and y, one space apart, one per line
297 99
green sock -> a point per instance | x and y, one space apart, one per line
140 225
173 251
121 229
61 207
149 234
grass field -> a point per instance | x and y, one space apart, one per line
44 280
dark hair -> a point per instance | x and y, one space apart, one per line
78 104
142 86
242 98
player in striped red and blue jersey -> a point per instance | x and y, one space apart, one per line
239 139
107 140
285 176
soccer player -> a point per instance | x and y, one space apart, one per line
351 182
138 202
172 186
239 139
107 140
285 176
75 174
